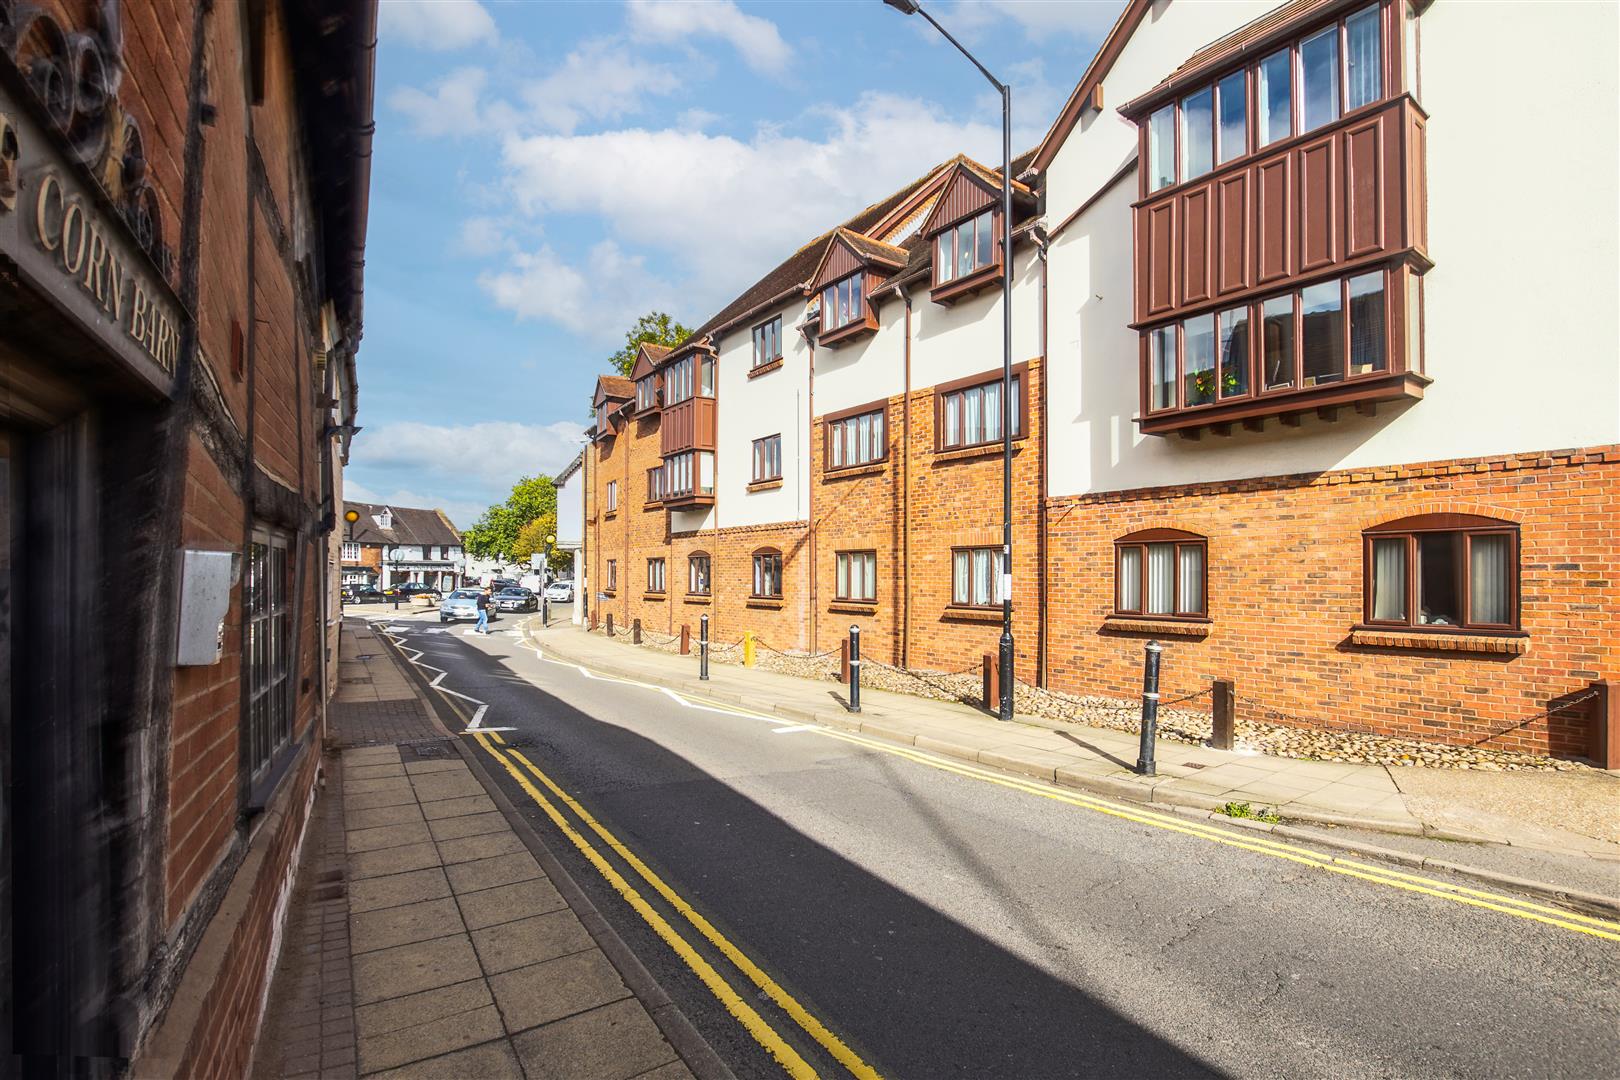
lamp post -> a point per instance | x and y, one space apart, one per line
545 601
1005 710
396 557
349 517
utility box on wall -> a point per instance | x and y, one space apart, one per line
206 580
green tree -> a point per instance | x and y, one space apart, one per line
531 540
655 326
495 534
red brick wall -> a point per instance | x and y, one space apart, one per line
1285 589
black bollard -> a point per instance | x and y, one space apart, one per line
854 669
1150 708
703 646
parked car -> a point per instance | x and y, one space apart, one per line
418 594
515 599
462 604
366 594
562 591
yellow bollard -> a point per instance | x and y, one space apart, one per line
748 648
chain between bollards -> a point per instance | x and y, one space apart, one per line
1150 707
703 647
854 669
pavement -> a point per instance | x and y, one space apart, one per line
866 907
432 934
1574 815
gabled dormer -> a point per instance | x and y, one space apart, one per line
964 231
612 394
851 267
647 378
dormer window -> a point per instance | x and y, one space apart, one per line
967 247
842 303
385 520
647 393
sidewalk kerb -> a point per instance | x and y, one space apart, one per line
1200 806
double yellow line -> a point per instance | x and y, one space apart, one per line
796 1066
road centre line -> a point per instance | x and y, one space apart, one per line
1257 843
800 1015
756 1025
476 723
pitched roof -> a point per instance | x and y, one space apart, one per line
411 525
614 387
648 356
570 469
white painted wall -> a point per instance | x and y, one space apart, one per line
571 509
776 403
867 369
1520 334
966 338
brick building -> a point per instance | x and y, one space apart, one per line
395 545
182 219
1258 415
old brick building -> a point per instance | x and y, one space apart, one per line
1259 413
393 545
183 193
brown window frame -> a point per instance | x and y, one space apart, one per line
944 391
1468 526
841 591
767 337
1178 539
858 280
647 393
999 563
611 497
1396 360
1390 79
760 456
995 247
708 573
834 421
612 575
768 554
655 483
662 580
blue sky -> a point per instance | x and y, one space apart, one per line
547 171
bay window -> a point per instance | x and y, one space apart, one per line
857 576
1319 79
687 377
1161 573
768 574
1197 133
1450 571
1274 99
976 576
1232 107
843 303
856 440
647 393
964 248
688 473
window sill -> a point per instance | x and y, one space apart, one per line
871 469
610 592
968 453
693 598
974 614
854 607
765 369
654 596
610 515
765 485
1169 627
949 292
653 504
773 603
1501 644
1363 392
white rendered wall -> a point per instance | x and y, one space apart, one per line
776 403
571 509
1520 334
867 369
965 338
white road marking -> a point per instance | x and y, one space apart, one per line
794 727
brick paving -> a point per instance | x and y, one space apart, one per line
425 939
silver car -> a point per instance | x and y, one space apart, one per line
462 604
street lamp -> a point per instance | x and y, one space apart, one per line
396 556
545 601
1005 710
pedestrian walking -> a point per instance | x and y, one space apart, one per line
483 610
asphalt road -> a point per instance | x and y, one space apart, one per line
942 925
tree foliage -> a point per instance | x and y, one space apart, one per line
495 534
655 326
531 539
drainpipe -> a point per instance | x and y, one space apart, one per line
905 495
1042 247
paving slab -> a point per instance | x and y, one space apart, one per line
407 969
397 889
491 1061
381 1017
540 993
467 825
394 860
387 836
430 1040
534 940
508 903
445 785
487 873
448 808
615 1042
381 770
382 815
387 927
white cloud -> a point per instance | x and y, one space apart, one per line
756 40
454 107
436 24
686 192
601 80
595 300
483 236
1039 19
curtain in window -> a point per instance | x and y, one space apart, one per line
1488 574
953 423
1389 580
944 261
964 248
1362 57
1130 579
973 417
984 577
961 573
1161 578
1190 600
992 412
